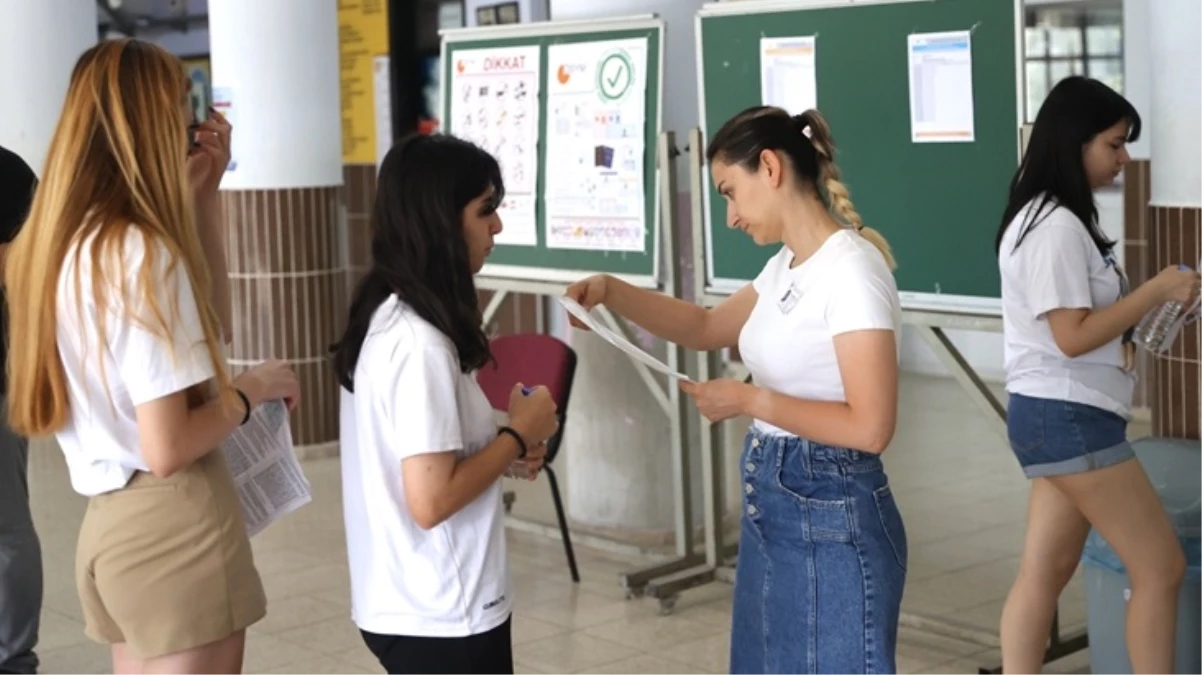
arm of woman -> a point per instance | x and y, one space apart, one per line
861 319
425 417
1056 275
672 319
866 420
158 371
207 162
438 485
210 221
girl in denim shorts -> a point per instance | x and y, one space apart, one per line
822 554
1068 317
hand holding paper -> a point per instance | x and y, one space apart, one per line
588 293
719 400
586 320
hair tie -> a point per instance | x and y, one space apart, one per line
802 125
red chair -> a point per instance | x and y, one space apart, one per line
535 360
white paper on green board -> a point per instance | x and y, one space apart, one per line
941 105
788 76
596 145
494 103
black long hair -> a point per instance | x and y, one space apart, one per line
1053 168
418 248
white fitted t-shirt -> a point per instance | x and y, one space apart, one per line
1058 266
788 341
100 440
411 399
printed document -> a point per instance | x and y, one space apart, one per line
267 475
618 340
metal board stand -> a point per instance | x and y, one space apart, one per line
648 581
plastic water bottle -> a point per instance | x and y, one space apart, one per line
1159 327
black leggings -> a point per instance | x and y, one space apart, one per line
490 652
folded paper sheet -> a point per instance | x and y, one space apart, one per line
577 310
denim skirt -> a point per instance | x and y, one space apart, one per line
822 561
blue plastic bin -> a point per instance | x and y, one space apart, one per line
1175 469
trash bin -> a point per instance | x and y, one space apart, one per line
1175 469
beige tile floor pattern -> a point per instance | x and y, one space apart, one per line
962 497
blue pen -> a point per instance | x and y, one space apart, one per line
526 391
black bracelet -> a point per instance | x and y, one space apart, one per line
517 437
245 402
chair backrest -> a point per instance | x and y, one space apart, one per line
534 360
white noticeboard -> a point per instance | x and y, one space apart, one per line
941 101
494 104
596 144
787 73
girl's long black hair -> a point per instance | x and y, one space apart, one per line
418 248
1053 168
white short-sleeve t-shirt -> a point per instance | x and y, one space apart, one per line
1058 266
100 440
788 341
411 399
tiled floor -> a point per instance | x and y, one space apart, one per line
962 497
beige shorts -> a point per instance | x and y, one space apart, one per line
165 565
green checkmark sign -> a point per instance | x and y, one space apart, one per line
614 76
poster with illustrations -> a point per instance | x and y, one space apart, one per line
494 104
596 143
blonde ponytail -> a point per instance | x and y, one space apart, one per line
814 125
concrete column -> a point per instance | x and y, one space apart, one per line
1175 208
1137 88
39 44
276 76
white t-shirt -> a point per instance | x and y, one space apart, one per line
788 341
100 440
411 399
1059 267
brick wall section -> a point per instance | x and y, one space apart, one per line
1175 237
1137 186
288 286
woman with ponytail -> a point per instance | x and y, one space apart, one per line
817 329
422 457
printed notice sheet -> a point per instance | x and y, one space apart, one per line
941 107
596 144
787 78
494 104
267 475
616 339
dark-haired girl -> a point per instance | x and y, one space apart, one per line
822 555
1067 316
421 453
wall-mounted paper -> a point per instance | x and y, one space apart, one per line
596 144
941 105
495 105
787 73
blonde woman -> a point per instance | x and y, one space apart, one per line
822 554
119 285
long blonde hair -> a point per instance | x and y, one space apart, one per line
806 140
117 161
